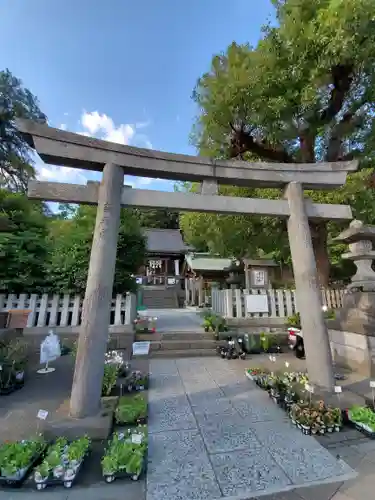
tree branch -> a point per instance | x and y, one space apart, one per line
342 77
243 142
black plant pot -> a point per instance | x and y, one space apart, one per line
255 351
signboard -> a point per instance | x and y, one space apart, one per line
256 303
259 278
171 281
141 348
139 280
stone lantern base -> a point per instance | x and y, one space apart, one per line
352 333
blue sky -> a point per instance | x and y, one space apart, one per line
122 70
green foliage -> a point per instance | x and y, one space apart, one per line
305 93
18 455
71 241
162 218
213 322
123 455
130 408
23 248
294 321
16 101
63 455
110 375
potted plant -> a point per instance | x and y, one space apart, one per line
294 413
363 418
131 410
337 419
17 458
125 455
62 462
136 381
328 420
13 361
111 371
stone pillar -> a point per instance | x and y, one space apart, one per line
187 295
200 291
93 337
315 334
177 267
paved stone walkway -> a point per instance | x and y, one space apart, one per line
214 435
175 320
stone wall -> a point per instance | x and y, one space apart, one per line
353 351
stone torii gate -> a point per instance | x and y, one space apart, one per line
74 150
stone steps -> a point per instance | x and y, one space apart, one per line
180 336
185 353
180 344
162 298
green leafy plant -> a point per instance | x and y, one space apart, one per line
111 372
15 456
264 341
62 456
294 321
130 409
362 415
124 453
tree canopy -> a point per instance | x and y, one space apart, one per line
305 93
23 244
16 101
44 252
162 218
71 241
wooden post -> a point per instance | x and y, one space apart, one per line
315 334
93 337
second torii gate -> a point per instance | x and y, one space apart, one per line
69 149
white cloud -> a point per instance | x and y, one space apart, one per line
102 125
144 180
142 124
54 173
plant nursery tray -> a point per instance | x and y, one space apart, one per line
109 478
130 387
363 428
138 421
17 482
54 481
11 389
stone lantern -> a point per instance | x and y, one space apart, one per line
352 332
360 239
234 279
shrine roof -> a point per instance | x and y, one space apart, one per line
206 263
165 241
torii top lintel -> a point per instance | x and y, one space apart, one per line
69 149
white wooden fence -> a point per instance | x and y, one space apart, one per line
281 303
65 310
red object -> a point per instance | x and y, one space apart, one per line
153 330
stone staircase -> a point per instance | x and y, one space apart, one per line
159 297
180 344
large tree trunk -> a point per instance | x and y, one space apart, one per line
319 241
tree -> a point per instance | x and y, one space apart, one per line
71 240
16 101
305 93
157 218
23 247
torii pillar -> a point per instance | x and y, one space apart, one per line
309 301
89 368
